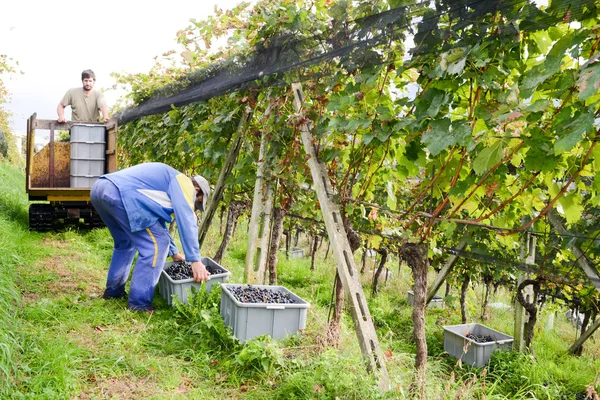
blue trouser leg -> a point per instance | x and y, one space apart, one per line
153 247
151 243
106 199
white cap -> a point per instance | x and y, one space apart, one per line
205 187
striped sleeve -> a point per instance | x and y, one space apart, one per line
182 194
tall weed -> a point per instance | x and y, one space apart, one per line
13 244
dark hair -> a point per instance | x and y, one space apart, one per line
88 73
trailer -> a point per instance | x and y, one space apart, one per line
59 176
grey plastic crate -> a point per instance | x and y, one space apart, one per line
88 133
88 151
470 352
88 142
83 181
249 320
88 154
87 167
436 302
167 287
296 252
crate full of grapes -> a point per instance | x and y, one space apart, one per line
255 310
474 344
177 279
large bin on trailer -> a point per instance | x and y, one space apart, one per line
60 174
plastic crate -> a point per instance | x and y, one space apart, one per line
296 252
84 181
436 302
470 352
88 151
249 320
92 133
88 154
167 287
87 167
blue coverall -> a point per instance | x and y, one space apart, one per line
135 204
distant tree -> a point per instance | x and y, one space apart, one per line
3 145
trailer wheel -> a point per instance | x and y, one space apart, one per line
96 220
41 217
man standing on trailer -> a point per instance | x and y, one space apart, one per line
85 102
135 203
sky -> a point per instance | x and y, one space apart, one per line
53 41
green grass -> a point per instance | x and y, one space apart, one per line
66 342
16 244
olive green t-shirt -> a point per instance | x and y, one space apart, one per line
83 108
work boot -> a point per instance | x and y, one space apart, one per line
106 296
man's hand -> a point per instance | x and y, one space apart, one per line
178 257
199 271
62 119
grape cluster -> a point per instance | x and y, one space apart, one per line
183 270
253 294
480 338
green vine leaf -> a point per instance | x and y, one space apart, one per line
589 81
571 133
488 157
444 134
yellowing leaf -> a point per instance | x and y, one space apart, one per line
375 241
571 205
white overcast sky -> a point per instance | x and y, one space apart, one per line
53 41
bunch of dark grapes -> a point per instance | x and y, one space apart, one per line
480 338
253 294
183 270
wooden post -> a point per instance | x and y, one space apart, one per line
581 259
443 274
217 193
111 145
51 157
585 336
258 229
363 324
528 255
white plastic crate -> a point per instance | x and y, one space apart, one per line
296 252
436 302
88 154
88 150
87 167
92 133
249 320
85 181
167 287
459 346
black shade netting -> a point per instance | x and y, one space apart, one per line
357 44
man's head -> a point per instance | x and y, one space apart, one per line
202 192
88 78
